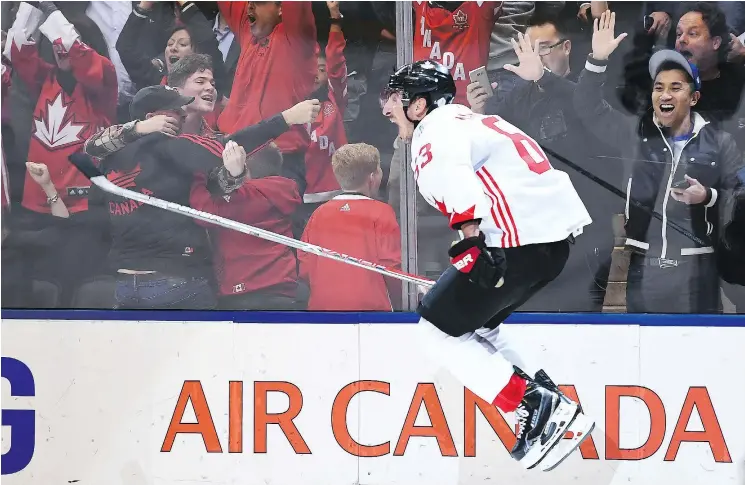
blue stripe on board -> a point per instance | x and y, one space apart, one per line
646 320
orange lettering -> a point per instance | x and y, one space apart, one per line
699 398
192 391
493 416
438 429
284 420
656 409
587 448
235 417
339 418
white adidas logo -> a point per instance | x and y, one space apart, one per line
345 208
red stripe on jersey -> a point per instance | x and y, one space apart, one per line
208 143
510 218
495 203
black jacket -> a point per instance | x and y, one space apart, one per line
711 156
146 238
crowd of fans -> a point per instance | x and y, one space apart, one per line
268 113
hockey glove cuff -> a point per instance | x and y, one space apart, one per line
484 266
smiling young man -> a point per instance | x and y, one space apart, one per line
681 170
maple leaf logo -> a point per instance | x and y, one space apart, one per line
460 20
124 179
54 130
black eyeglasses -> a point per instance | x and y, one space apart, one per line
546 49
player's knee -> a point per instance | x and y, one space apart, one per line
436 328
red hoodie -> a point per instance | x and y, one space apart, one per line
245 263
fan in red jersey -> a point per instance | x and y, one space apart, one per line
327 132
455 34
76 90
75 98
353 223
275 71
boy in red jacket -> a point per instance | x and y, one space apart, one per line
253 274
353 223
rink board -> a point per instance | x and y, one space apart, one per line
111 402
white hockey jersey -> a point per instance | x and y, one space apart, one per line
480 166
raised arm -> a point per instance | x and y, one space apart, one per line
596 114
300 26
336 64
21 51
138 62
94 72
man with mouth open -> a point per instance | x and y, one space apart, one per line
681 167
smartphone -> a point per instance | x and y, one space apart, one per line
680 184
480 76
648 22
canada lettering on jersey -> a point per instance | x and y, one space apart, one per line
323 142
447 59
126 179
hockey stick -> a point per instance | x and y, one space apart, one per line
87 167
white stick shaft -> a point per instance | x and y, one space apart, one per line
108 186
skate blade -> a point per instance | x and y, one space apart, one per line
563 417
578 431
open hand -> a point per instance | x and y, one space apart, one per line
604 41
531 66
694 194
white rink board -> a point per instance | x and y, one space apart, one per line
105 394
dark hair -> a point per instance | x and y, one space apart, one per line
265 162
715 20
674 66
542 18
186 66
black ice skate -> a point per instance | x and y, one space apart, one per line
576 433
543 416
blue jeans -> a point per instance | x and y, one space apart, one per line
158 291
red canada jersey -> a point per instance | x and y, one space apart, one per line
360 227
327 132
273 73
458 40
62 121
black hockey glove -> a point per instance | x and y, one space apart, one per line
484 266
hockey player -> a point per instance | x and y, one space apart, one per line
517 215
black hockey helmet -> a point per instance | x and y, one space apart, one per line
422 79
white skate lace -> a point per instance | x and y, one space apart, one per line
522 417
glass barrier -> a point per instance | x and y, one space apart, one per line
664 188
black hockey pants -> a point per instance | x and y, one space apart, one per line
456 306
